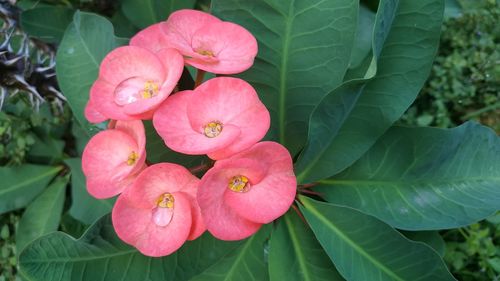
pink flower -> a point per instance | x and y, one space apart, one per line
243 192
151 38
113 158
159 212
210 44
133 81
221 117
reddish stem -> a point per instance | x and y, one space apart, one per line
199 77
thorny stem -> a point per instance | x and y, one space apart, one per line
294 207
199 77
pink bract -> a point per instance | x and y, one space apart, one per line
221 117
133 81
159 212
210 44
251 188
113 158
151 38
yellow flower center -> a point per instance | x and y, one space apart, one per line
239 184
150 90
212 129
166 200
132 158
205 53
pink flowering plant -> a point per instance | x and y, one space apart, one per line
255 140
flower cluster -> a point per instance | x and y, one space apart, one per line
162 205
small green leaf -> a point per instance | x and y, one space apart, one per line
304 51
147 12
19 185
247 262
101 255
43 214
47 23
364 248
425 178
85 43
84 207
296 254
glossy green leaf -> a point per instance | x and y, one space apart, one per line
84 207
46 150
247 262
424 178
101 255
295 253
364 35
431 238
304 51
147 12
47 23
364 248
43 214
404 63
85 43
19 185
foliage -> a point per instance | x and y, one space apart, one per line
335 112
465 79
473 252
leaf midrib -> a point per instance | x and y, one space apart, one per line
75 260
283 74
239 257
344 237
405 181
298 253
30 181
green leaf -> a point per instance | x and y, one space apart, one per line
403 65
363 41
364 248
84 207
304 51
296 254
101 255
431 238
147 12
43 214
157 151
85 43
245 263
425 178
47 23
452 9
19 185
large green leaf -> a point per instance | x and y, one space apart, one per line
85 43
405 60
296 254
147 12
84 207
424 178
51 28
304 51
245 263
43 214
364 248
101 255
19 185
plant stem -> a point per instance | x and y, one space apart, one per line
199 77
199 168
